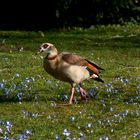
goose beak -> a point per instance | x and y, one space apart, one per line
39 51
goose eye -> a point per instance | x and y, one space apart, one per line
45 46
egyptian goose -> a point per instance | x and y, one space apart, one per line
69 68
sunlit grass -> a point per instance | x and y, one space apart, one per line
32 103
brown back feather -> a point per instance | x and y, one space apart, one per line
77 60
74 59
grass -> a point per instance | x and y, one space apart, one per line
32 102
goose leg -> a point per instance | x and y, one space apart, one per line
71 95
83 93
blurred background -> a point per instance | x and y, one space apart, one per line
44 15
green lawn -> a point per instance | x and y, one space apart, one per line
32 103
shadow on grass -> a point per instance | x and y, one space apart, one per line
36 96
4 99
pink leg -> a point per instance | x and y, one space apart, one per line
71 95
83 94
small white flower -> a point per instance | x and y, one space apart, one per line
21 49
17 75
66 133
1 130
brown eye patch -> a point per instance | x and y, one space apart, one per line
45 46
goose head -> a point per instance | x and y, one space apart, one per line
48 50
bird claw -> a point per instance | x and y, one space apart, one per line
85 97
83 94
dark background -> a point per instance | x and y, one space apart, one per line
49 14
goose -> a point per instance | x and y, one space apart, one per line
70 68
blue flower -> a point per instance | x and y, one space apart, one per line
8 126
2 86
14 86
27 132
62 97
19 95
25 135
57 137
136 135
93 91
111 109
66 132
49 82
6 92
5 137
